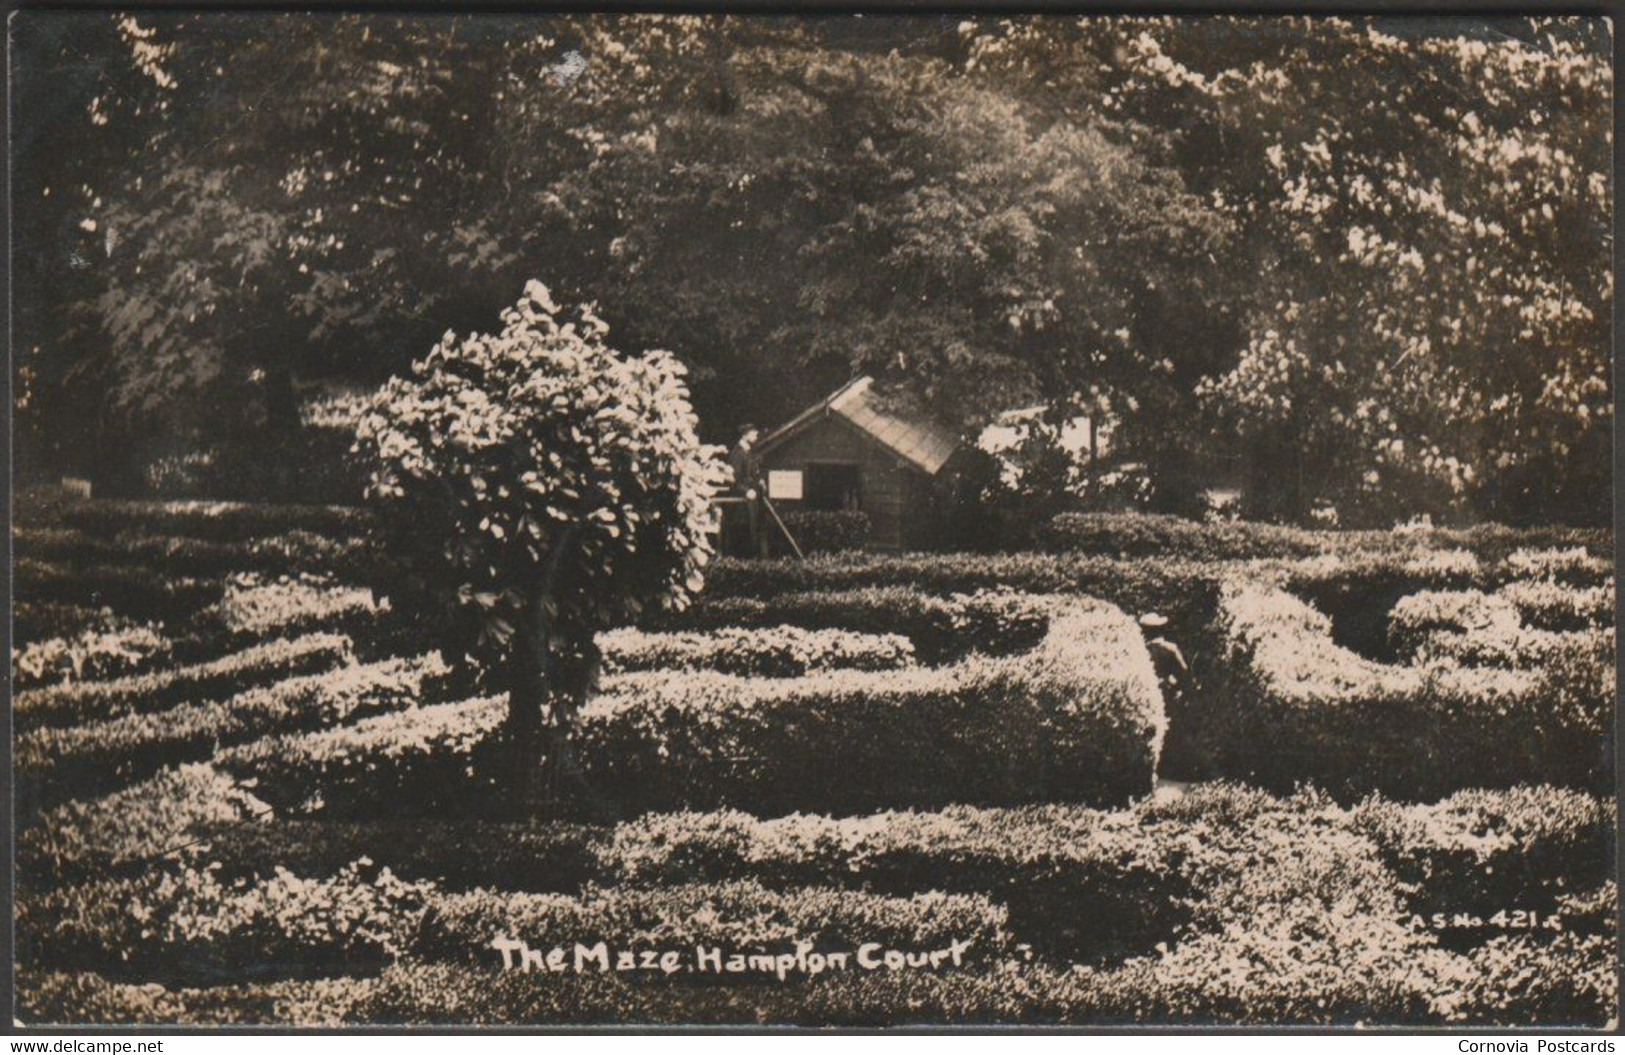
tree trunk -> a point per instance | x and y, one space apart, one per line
552 669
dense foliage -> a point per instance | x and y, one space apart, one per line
1380 245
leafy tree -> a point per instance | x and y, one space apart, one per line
540 488
1421 240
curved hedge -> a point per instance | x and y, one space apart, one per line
1291 705
1079 719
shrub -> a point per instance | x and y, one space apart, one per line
1417 618
54 764
1566 977
456 855
1078 719
1293 705
429 757
771 652
96 700
92 654
824 531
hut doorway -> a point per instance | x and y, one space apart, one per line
834 486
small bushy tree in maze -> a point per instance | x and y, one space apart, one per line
537 487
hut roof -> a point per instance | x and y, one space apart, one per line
922 443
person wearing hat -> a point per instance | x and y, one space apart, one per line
747 470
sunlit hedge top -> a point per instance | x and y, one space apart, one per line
499 449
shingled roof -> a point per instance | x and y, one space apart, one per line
923 444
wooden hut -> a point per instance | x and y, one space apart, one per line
848 452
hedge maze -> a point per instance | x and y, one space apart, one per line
1162 772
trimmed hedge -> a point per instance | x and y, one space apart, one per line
133 591
171 810
433 758
184 923
1154 535
1292 705
94 653
1078 719
1079 883
770 652
251 607
1483 629
213 521
1295 912
55 764
96 700
740 916
1559 607
1577 550
823 531
1491 851
295 551
1565 984
995 622
33 621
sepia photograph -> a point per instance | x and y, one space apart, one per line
876 521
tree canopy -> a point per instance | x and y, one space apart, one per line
1383 244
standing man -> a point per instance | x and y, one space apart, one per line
747 471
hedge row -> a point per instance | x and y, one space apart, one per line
1289 704
133 591
770 652
1077 719
92 654
1079 884
823 531
214 521
435 761
741 916
296 551
85 701
251 606
1488 629
176 808
1272 978
183 923
994 622
33 621
55 764
1560 607
1528 550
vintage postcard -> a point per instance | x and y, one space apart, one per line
830 520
